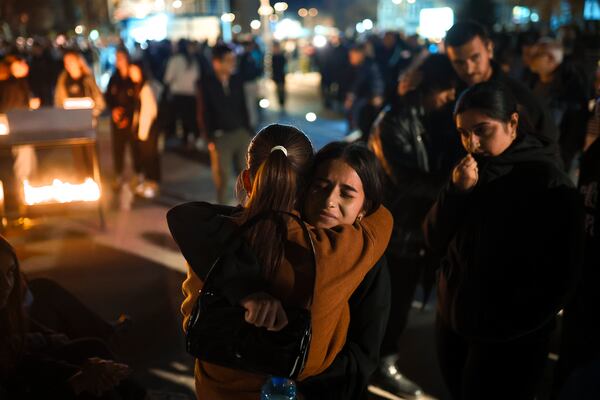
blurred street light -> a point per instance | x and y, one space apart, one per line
264 103
303 12
313 12
94 35
79 29
255 24
367 24
311 117
265 10
397 1
280 6
177 4
228 17
411 1
320 41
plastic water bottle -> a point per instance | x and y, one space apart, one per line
276 388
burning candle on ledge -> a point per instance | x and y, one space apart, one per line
61 192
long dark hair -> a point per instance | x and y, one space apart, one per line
496 101
277 181
12 317
361 160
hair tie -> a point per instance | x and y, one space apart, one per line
274 148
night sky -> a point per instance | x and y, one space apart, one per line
296 4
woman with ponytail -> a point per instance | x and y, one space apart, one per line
274 266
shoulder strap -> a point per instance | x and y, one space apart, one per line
252 221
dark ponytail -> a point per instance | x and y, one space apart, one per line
277 181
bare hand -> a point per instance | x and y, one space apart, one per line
34 103
264 310
465 175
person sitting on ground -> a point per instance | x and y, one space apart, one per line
37 362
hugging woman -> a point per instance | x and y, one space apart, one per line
348 227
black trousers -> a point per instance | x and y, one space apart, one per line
121 139
58 309
185 109
149 156
503 370
405 273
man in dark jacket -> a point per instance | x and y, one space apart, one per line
417 153
225 116
563 91
365 92
121 100
470 50
279 63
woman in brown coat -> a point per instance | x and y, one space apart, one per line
278 159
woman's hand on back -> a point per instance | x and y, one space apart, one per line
465 175
264 310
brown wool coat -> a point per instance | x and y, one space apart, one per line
344 256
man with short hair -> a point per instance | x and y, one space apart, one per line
365 92
563 91
471 52
225 120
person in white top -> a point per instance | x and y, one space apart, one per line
180 78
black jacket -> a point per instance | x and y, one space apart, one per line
14 94
566 98
223 109
511 246
366 81
121 92
348 376
417 154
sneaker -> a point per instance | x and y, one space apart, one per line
387 380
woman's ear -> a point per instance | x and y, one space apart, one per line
247 181
513 124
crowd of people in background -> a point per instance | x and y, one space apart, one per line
492 211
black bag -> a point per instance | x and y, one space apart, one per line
218 334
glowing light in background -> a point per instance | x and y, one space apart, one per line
94 35
61 192
264 103
303 12
177 4
397 1
535 17
311 117
280 6
79 29
313 12
255 24
319 41
288 28
360 28
367 24
228 17
434 22
151 28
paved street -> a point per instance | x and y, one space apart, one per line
133 266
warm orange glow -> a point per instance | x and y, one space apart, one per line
78 103
61 192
